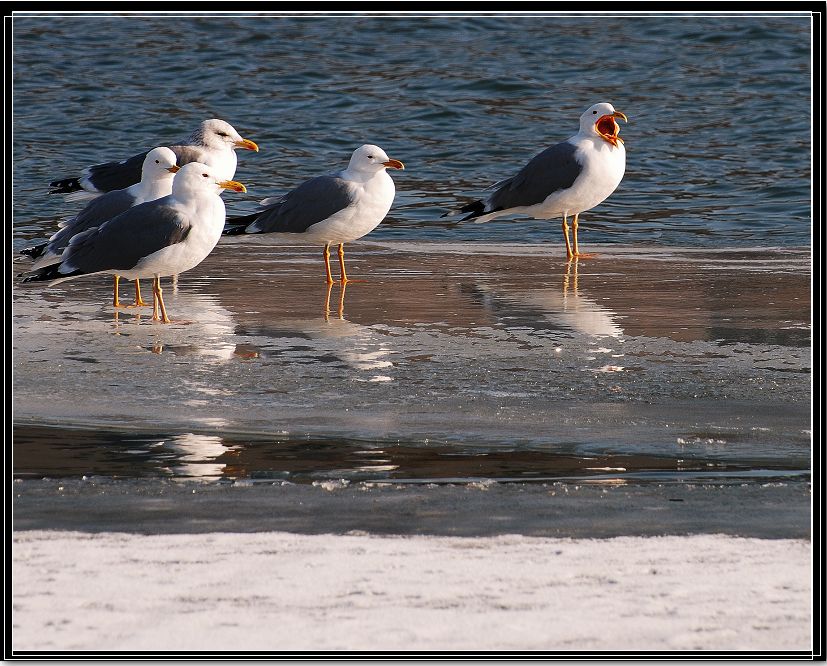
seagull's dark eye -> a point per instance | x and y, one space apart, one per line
225 134
594 112
206 175
370 157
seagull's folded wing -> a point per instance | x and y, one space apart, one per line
115 175
554 169
313 201
126 239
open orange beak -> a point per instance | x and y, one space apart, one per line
393 164
608 129
233 185
246 144
174 168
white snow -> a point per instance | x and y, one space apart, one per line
279 591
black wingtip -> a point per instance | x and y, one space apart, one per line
42 274
235 226
234 230
474 209
34 251
65 186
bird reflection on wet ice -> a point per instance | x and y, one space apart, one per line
563 308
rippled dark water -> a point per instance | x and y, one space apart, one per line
718 140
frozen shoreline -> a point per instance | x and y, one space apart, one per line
277 591
680 353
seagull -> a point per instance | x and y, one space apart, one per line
332 209
154 239
213 144
566 179
156 182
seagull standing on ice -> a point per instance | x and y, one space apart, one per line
213 144
156 182
154 239
565 179
331 209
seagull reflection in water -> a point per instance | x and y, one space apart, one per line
563 309
194 455
208 335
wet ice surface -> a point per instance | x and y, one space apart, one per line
450 362
767 508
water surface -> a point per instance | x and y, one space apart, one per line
718 140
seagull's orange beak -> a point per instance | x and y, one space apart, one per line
174 168
393 164
233 185
246 144
608 129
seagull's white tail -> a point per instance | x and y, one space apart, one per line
487 217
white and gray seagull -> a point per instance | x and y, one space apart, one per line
566 179
213 144
332 209
154 239
156 182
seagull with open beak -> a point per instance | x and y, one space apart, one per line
565 179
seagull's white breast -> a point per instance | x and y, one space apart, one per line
222 160
150 189
206 214
372 201
603 166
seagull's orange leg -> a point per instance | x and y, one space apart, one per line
115 301
574 231
577 253
154 300
342 263
139 301
158 301
569 253
326 255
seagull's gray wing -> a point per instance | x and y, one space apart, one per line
119 175
98 211
116 175
123 241
311 202
556 168
111 176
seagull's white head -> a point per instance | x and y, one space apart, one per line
371 159
196 177
220 135
599 120
159 164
